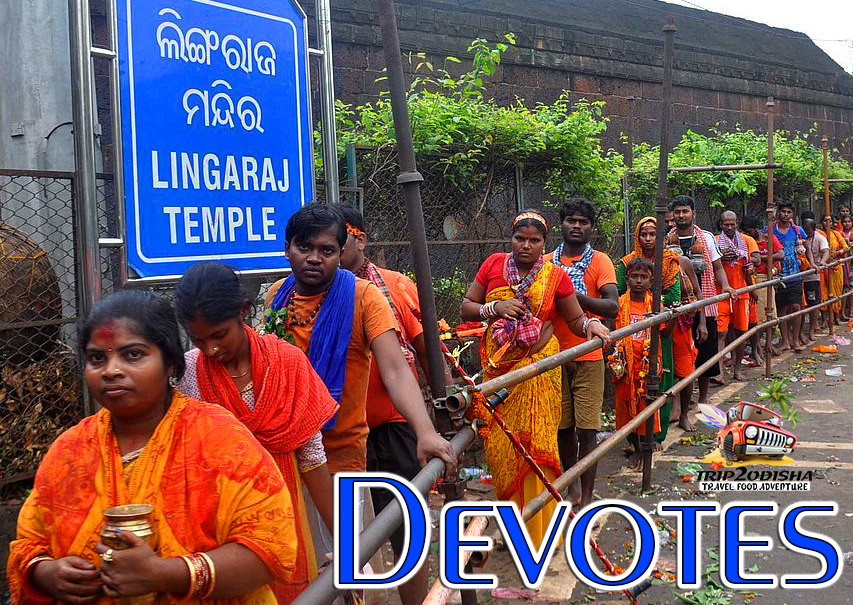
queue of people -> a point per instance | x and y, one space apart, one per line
234 443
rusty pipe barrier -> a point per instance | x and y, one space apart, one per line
574 473
438 595
515 377
322 590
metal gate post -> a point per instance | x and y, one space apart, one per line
85 208
653 379
327 103
768 241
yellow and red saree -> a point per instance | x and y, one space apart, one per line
532 409
209 480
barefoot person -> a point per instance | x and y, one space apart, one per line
818 246
518 294
344 324
739 256
684 349
222 514
391 443
633 354
753 228
594 280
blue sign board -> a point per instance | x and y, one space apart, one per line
216 131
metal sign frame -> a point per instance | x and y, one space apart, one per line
84 104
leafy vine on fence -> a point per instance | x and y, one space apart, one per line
801 172
462 134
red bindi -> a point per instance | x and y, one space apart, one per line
106 333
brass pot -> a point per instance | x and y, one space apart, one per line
135 519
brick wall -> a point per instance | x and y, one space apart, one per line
611 50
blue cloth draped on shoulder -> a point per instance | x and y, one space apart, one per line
327 350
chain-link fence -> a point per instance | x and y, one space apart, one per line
40 391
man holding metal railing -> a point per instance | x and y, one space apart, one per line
789 295
701 247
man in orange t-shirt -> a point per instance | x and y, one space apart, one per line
594 280
739 257
315 300
315 236
391 444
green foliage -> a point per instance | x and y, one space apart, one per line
461 132
802 166
712 592
778 394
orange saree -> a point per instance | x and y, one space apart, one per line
291 406
209 480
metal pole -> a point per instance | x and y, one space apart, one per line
410 183
118 153
825 142
768 241
830 312
626 180
327 102
352 172
85 187
519 187
653 379
322 590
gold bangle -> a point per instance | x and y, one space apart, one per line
211 585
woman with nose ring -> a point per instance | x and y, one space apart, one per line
518 294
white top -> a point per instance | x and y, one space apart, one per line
308 457
713 245
818 244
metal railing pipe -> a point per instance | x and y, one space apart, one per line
439 593
573 474
515 377
322 590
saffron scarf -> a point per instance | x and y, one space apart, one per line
578 269
327 350
209 480
671 268
288 410
291 406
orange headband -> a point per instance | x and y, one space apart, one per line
354 230
532 215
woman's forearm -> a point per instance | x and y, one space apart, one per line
238 571
319 484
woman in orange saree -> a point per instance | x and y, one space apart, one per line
222 516
833 279
518 293
270 386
